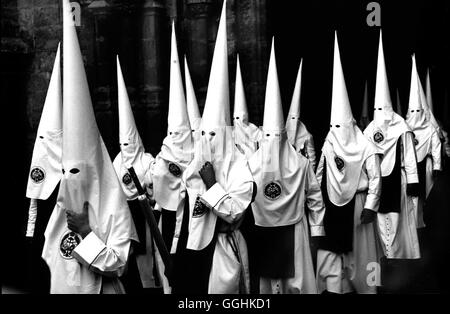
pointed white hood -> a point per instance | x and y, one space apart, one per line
177 148
216 146
128 133
178 118
273 121
341 112
276 166
217 104
245 133
416 116
240 104
191 100
345 148
297 132
45 170
383 105
88 176
132 151
387 126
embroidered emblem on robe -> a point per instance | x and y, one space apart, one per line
272 190
126 179
174 169
200 209
37 174
69 242
340 164
378 137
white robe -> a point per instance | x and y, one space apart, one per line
397 231
228 203
357 270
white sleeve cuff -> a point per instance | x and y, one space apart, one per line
89 248
214 196
412 178
317 231
372 202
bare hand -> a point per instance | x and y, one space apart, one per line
208 175
367 216
79 223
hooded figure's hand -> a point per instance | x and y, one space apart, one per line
79 223
208 175
367 216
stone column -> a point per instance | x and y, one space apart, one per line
102 78
153 72
198 57
253 47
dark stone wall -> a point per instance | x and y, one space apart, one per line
139 32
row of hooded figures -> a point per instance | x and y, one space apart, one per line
238 207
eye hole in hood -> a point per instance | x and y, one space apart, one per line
74 170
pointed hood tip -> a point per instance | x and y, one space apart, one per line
294 109
382 93
341 112
191 99
177 116
128 132
240 104
273 111
216 113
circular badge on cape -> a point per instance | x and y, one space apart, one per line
340 164
126 179
69 242
378 137
416 142
37 174
174 169
200 209
272 191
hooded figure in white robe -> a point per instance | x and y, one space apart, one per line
246 134
140 274
45 170
286 182
45 175
297 132
426 140
211 253
176 152
191 101
390 133
350 177
90 261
